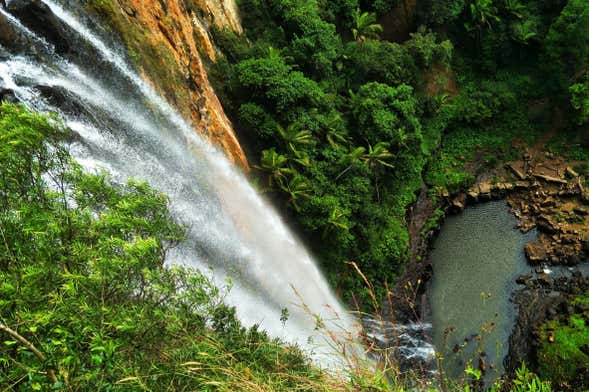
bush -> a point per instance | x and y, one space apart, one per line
385 113
85 302
378 61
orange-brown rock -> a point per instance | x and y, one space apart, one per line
535 252
165 39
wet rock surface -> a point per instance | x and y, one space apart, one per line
7 95
41 20
541 299
535 252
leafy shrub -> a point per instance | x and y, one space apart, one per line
385 113
85 302
378 61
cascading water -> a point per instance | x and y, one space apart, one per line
126 128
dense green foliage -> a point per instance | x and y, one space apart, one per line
333 124
345 128
84 301
313 104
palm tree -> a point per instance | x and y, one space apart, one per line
482 13
297 188
294 137
366 26
275 165
333 134
515 8
301 158
352 158
378 155
336 221
523 32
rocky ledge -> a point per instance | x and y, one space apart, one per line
546 194
541 299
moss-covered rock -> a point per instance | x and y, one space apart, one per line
563 356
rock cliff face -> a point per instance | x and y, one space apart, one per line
169 41
399 21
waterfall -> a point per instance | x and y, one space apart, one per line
124 126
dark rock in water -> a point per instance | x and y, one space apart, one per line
7 95
535 252
458 203
39 18
545 280
4 54
482 365
61 98
575 260
8 36
523 279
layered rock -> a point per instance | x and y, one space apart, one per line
170 42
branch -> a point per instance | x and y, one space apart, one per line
30 346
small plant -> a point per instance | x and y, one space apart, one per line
527 381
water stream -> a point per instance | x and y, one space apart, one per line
126 127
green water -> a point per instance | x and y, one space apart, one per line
476 259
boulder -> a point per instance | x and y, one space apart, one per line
546 225
526 227
7 95
8 36
472 195
458 203
523 279
548 202
555 180
571 173
519 185
535 252
38 17
485 188
545 280
519 174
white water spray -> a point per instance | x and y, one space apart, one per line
231 228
